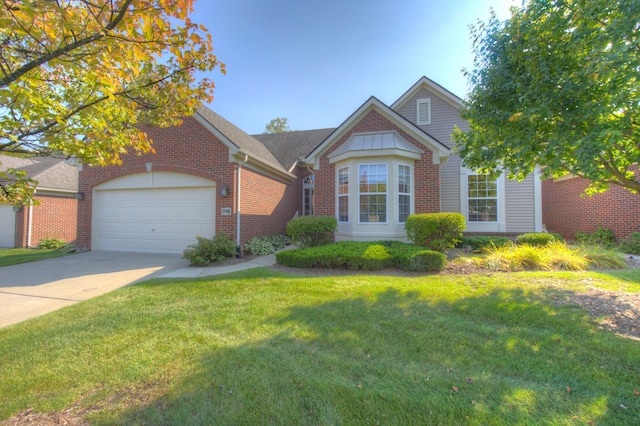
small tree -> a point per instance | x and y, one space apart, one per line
277 125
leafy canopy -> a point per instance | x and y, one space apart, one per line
277 125
557 84
78 77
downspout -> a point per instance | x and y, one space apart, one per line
313 201
29 224
240 164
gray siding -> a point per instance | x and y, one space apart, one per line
520 205
444 118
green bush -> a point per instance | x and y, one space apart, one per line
537 238
312 231
209 250
436 231
263 246
364 256
481 241
51 243
631 244
603 237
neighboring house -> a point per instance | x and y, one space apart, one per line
55 216
568 210
380 165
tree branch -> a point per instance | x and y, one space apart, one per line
15 75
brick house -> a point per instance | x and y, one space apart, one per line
373 170
55 215
567 210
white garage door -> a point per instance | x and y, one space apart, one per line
152 220
7 226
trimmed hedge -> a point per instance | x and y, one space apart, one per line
631 244
435 231
603 237
312 231
368 256
537 239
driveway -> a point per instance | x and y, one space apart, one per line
31 289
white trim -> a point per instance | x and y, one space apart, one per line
419 103
537 200
500 225
433 87
411 193
347 195
386 194
439 150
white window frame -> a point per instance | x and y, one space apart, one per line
386 195
475 226
486 178
420 103
399 193
344 195
308 184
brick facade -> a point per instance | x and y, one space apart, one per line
54 217
193 150
566 210
427 174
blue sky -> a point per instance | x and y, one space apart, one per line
315 62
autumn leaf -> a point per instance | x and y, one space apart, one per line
636 392
455 389
568 389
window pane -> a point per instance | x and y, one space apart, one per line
482 198
373 208
404 207
343 209
483 210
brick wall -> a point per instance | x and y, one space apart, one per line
565 210
427 174
267 204
190 149
54 217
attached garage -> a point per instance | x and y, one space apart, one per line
7 226
152 212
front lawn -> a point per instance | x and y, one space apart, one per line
18 255
263 347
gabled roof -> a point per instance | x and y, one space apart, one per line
51 173
440 150
240 143
432 86
289 147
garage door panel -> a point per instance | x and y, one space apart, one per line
162 220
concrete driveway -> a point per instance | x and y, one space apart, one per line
31 289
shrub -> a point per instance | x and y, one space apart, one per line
600 257
260 246
364 256
537 238
602 237
436 231
263 246
479 242
51 243
208 250
631 244
312 231
425 260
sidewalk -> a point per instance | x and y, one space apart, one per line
195 272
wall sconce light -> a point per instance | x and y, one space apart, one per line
224 191
79 195
17 208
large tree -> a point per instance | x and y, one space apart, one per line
79 77
557 85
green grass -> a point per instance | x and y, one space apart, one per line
15 256
261 347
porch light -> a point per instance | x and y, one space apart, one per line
224 191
